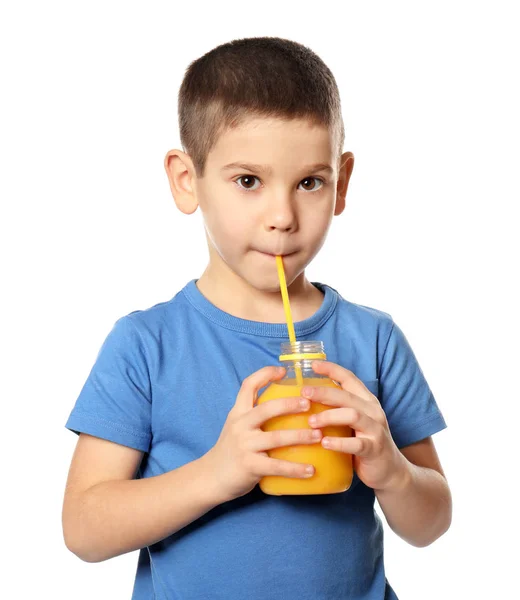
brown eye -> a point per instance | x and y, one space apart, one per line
308 181
248 182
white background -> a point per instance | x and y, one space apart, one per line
89 232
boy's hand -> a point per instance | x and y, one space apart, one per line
239 458
377 460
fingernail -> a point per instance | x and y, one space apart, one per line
326 442
309 471
313 419
304 403
316 434
307 391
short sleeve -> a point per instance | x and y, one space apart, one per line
115 401
410 407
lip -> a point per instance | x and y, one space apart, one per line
275 255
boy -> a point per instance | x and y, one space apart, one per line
171 446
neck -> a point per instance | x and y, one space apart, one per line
232 294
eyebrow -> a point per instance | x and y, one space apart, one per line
266 169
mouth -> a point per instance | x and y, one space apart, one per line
271 255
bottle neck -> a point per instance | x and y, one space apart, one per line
300 356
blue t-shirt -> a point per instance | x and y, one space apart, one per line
164 382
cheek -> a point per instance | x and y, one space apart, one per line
235 227
317 224
228 230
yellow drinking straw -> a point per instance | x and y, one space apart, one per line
288 316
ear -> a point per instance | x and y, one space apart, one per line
181 176
346 163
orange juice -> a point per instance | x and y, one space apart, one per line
333 470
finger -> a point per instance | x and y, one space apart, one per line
275 408
248 392
285 437
356 419
355 445
335 397
283 468
344 377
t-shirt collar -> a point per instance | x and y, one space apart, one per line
277 330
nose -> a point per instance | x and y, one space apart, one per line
280 215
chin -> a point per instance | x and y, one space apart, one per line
264 284
268 283
263 275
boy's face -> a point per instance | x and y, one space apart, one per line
280 204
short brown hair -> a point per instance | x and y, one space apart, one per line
248 77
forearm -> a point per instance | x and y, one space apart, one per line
116 517
418 505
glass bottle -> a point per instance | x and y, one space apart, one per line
333 469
